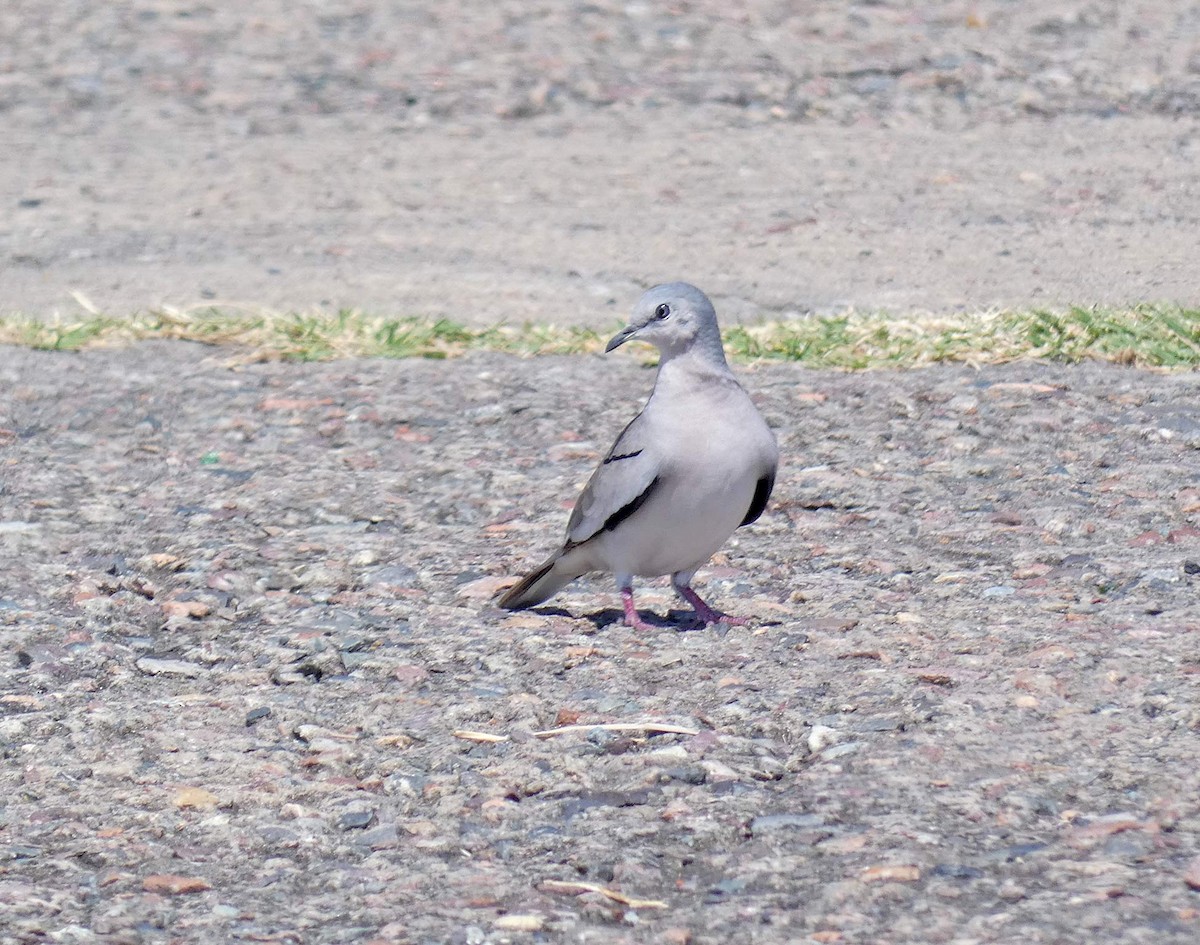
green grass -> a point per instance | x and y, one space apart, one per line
1145 335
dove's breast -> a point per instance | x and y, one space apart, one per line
715 452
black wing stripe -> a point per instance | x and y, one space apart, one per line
613 459
762 492
628 509
620 436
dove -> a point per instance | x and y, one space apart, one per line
698 462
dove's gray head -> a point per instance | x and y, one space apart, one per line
676 318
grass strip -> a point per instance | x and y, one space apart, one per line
1145 335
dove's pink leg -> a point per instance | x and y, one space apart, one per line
707 614
631 615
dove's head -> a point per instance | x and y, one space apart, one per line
676 318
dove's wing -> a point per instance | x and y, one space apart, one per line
623 481
762 493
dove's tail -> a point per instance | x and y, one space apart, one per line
555 573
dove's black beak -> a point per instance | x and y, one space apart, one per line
619 338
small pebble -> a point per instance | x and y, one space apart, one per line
158 667
356 820
821 737
19 851
771 823
520 923
257 714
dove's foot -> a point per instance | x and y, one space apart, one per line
632 620
707 614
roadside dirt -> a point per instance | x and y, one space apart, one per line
491 162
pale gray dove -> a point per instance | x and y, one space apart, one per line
696 463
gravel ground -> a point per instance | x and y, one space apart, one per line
246 611
492 161
252 685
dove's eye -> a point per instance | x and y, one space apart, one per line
662 311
